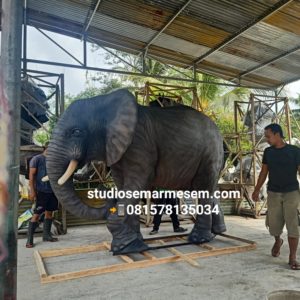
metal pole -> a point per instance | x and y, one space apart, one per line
57 97
252 102
61 109
10 106
276 107
62 93
25 37
84 51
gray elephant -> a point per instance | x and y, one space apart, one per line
175 148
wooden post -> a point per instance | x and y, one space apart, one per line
252 102
276 107
10 110
147 92
61 110
235 117
288 119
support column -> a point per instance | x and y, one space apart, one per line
10 106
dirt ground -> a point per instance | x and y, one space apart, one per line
246 275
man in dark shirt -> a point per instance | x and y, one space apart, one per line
281 162
173 216
41 192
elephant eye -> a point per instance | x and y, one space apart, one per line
76 132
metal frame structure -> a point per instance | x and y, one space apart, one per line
152 91
43 79
236 39
82 63
10 104
241 109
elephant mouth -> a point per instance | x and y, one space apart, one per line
69 172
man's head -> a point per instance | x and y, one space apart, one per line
274 134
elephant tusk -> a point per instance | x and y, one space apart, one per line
45 178
69 172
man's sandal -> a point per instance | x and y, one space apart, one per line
294 265
275 250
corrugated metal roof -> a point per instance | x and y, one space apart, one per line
203 25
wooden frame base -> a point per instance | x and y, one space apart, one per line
205 250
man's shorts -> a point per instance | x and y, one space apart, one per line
283 208
45 202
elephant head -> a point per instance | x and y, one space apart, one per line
100 128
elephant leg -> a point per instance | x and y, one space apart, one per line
207 224
125 229
202 230
218 224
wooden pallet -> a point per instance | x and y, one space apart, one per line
128 263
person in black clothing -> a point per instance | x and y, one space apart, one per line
41 192
173 216
281 162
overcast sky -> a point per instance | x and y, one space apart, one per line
39 47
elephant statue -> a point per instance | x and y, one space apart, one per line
175 148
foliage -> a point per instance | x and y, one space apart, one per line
41 136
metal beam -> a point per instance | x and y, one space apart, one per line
169 66
270 11
43 80
25 35
120 58
268 62
290 81
58 45
91 18
48 74
10 111
167 25
44 62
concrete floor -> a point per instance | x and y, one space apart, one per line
247 275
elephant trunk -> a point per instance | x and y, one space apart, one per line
64 190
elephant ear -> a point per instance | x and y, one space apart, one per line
121 125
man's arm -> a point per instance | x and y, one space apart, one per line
32 183
261 179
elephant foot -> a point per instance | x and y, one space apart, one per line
135 246
219 229
200 237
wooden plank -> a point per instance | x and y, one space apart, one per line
183 256
204 246
141 264
222 251
207 247
148 255
130 264
109 269
40 264
124 257
237 239
72 250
